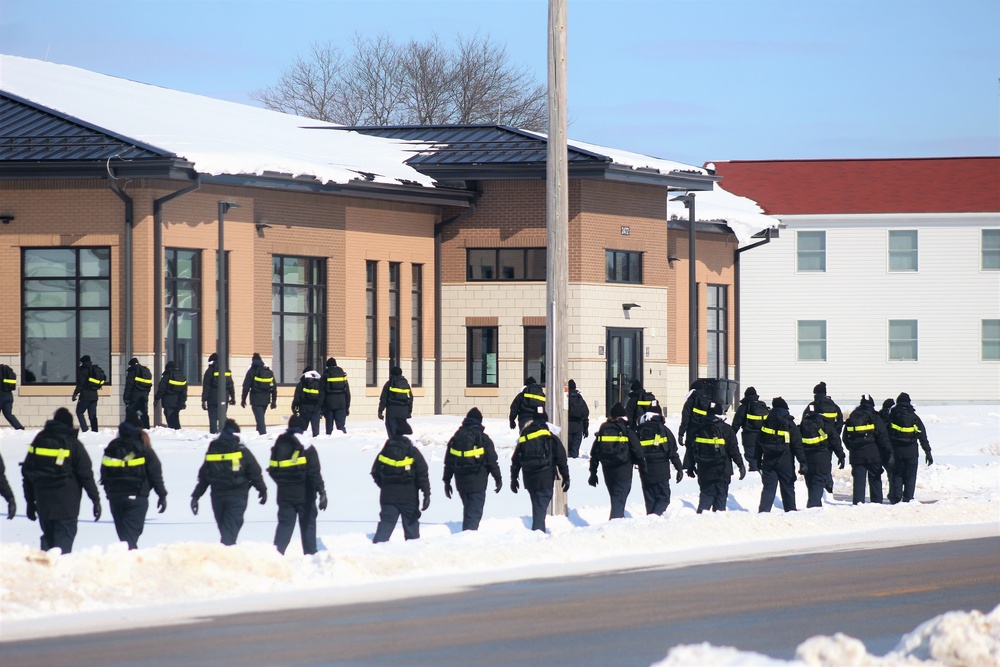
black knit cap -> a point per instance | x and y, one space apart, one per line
636 385
779 402
212 358
256 356
750 393
869 402
572 385
903 397
63 416
474 414
820 389
395 371
618 410
85 359
529 380
297 424
231 427
331 362
133 361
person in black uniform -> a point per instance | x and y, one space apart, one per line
711 452
7 387
306 400
56 471
749 416
129 469
638 403
259 384
818 445
885 410
579 420
210 391
617 450
296 471
138 383
660 448
525 405
86 390
471 458
867 442
906 430
336 397
779 445
172 393
539 453
395 405
698 408
400 471
825 407
6 493
230 469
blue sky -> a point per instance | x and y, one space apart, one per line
690 80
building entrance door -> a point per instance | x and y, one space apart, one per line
624 364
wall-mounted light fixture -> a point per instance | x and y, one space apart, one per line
671 259
6 219
261 226
628 307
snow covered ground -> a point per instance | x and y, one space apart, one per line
180 571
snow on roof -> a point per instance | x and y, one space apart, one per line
628 158
219 137
744 216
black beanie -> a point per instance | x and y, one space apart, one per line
529 380
396 371
170 366
572 385
750 393
85 359
474 414
231 427
256 357
331 362
903 397
212 358
870 402
820 389
133 361
63 416
618 410
636 385
297 424
779 402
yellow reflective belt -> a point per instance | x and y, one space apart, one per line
756 417
228 374
9 381
829 415
296 460
771 431
310 391
698 412
477 451
613 438
815 441
408 461
536 397
230 456
59 455
906 429
643 402
657 439
109 462
863 427
179 383
96 381
144 380
399 391
718 442
532 436
264 380
340 380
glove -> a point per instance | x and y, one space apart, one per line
243 403
840 463
347 413
194 506
232 401
804 469
274 405
447 490
586 434
592 480
11 509
323 502
97 509
929 459
512 425
690 472
73 398
514 486
262 494
204 405
32 515
565 484
743 473
680 476
426 503
381 416
161 504
889 465
499 484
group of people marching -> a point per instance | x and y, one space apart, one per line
57 469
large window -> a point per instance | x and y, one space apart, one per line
482 356
417 325
903 250
393 314
716 328
902 340
182 311
505 264
991 250
991 340
371 330
811 251
66 312
534 353
298 315
623 266
812 340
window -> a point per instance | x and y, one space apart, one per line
298 315
812 340
482 356
991 250
902 340
505 264
371 330
811 251
534 353
903 250
417 325
182 311
716 328
65 312
393 314
991 340
623 266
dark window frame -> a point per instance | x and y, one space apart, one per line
717 326
619 266
541 375
471 333
171 313
417 324
395 271
526 266
315 315
371 323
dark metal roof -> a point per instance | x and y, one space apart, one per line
32 133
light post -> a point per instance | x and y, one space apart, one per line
223 328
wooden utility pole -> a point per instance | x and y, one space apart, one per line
557 225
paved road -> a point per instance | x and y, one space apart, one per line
627 618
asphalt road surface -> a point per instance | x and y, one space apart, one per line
625 618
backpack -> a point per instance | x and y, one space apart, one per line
399 391
814 435
9 378
467 450
775 436
124 462
44 463
288 461
612 443
532 398
709 446
578 408
97 376
396 462
142 380
336 380
859 430
310 390
756 414
177 382
903 425
701 410
536 451
654 445
225 463
263 379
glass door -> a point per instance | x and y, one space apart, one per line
624 364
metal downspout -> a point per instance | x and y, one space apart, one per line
158 284
737 301
129 318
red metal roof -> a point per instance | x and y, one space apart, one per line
910 185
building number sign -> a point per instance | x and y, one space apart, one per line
625 230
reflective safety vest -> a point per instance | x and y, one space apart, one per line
770 431
469 453
233 457
531 436
59 455
819 439
396 463
298 459
126 462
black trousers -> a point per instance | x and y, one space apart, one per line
575 440
336 416
258 416
57 533
473 503
129 514
393 424
213 415
750 448
903 480
816 483
540 500
173 417
229 511
140 405
311 414
772 479
306 515
7 408
619 490
656 495
89 408
872 473
713 494
390 513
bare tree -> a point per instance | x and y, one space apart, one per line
423 83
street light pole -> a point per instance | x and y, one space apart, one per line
223 328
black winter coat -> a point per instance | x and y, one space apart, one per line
297 485
396 400
392 491
731 447
818 454
85 389
170 391
904 442
5 491
210 385
56 489
613 469
660 448
221 475
525 407
471 472
134 389
116 486
307 392
258 396
336 391
780 420
832 416
638 404
538 476
862 449
579 413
